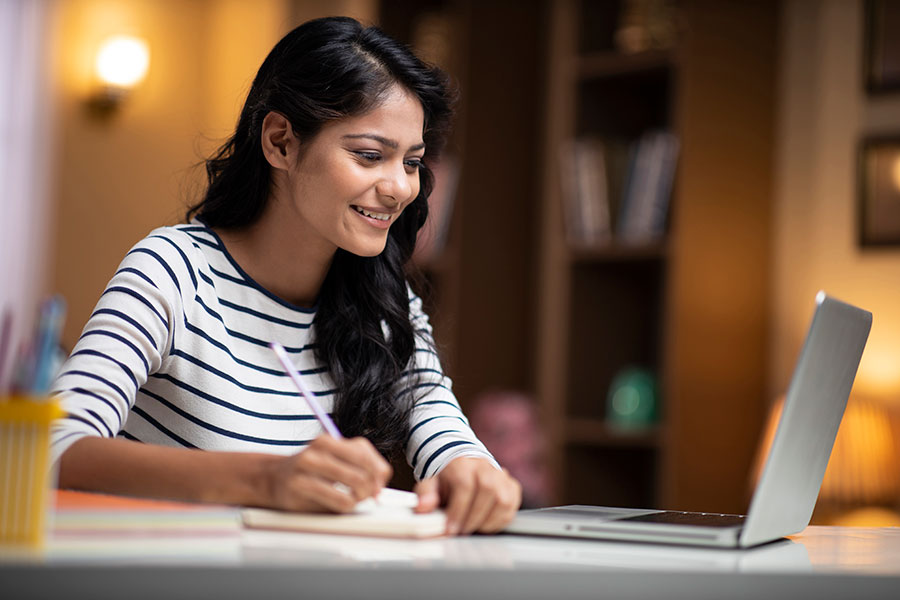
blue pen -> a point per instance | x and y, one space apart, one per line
53 312
5 338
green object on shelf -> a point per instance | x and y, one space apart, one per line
632 399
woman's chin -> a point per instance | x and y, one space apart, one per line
366 250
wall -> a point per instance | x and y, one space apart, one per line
118 178
822 113
25 136
121 176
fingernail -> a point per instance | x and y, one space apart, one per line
452 528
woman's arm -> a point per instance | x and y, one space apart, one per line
128 337
455 468
302 482
439 431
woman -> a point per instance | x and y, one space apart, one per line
310 216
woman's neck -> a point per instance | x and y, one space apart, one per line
277 254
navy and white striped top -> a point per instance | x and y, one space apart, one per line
176 353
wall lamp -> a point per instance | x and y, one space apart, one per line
120 65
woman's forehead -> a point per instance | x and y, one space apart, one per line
398 118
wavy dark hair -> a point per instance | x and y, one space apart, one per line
324 70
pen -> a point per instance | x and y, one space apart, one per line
53 312
387 496
321 415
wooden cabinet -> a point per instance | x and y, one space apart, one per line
602 305
516 305
605 307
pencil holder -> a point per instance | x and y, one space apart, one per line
25 474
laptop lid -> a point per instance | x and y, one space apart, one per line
786 494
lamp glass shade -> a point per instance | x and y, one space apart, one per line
122 61
864 467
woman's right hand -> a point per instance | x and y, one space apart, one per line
329 475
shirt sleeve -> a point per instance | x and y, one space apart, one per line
440 431
126 338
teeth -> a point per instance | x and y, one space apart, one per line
379 216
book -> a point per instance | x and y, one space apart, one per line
585 187
119 529
93 513
568 176
648 188
376 521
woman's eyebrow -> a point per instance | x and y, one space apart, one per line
381 140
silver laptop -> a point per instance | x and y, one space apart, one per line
787 490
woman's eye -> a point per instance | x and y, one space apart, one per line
414 164
368 156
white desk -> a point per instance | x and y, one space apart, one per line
135 562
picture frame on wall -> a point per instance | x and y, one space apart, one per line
881 54
879 192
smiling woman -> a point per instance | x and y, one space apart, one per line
310 216
345 187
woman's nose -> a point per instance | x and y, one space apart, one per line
395 184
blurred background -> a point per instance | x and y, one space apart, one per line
639 203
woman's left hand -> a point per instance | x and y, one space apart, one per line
477 496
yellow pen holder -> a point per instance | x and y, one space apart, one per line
25 474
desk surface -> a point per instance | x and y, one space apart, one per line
205 553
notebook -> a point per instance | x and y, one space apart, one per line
786 494
391 515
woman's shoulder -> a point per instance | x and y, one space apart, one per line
171 241
182 235
177 250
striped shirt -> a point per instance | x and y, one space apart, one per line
176 353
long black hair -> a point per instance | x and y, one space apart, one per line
323 70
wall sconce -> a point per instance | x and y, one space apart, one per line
120 65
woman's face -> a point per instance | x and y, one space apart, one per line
352 180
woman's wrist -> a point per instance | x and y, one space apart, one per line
237 478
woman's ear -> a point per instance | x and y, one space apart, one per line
278 140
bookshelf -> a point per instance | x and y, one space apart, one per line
515 305
480 295
672 304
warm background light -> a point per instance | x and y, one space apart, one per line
895 173
122 61
862 481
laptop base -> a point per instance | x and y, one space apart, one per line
628 524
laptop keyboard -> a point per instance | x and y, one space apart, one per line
690 518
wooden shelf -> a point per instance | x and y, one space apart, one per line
617 252
599 433
600 65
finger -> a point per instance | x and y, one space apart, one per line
363 451
461 492
508 500
360 452
482 505
311 492
427 490
321 464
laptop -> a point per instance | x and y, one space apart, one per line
786 493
